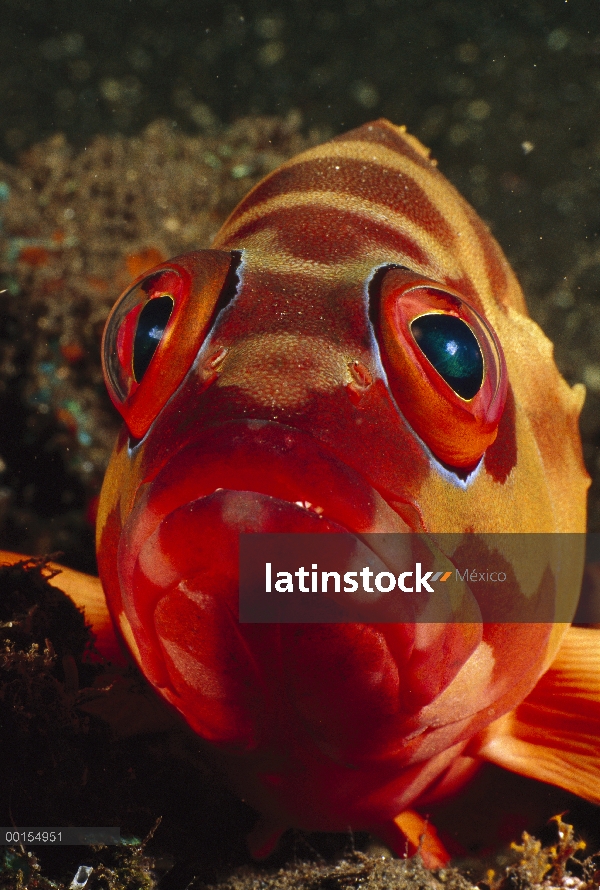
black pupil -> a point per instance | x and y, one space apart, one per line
453 350
148 334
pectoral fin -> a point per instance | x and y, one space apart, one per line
411 833
554 735
87 594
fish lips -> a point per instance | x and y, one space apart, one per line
238 477
252 476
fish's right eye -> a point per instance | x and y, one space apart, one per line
151 324
156 328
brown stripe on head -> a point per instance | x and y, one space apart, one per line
501 456
329 235
503 282
371 181
289 300
382 177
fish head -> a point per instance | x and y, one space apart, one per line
352 355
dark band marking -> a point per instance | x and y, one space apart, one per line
367 181
495 265
327 235
501 456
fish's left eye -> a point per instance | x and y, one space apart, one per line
156 328
444 364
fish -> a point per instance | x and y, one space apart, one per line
295 377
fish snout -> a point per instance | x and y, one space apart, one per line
286 371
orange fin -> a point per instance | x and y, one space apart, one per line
554 735
411 833
87 594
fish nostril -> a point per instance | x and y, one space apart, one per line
212 364
361 380
361 374
217 357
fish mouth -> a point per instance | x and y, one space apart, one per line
249 476
239 477
264 459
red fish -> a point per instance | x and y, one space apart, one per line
291 379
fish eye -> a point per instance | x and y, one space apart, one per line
452 348
157 328
444 364
151 325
